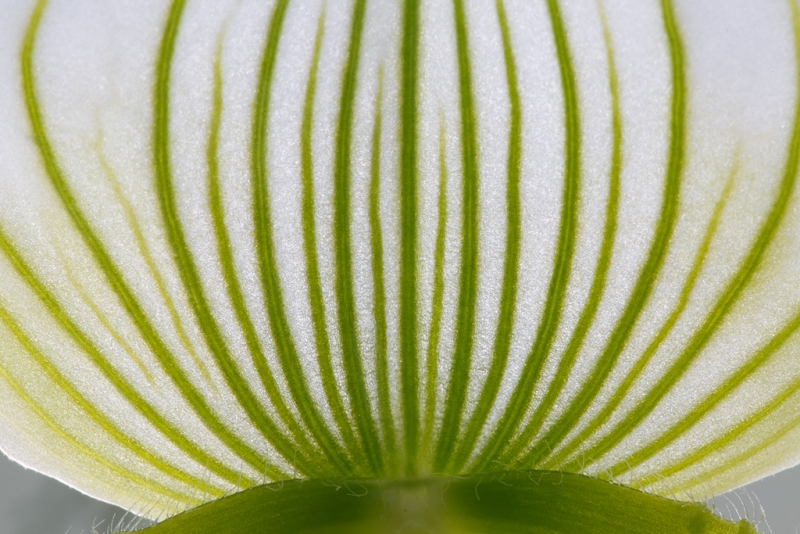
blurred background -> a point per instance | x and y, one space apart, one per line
31 503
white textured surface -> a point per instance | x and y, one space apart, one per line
94 74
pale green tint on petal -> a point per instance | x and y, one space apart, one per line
248 242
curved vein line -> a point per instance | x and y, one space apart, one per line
124 388
505 321
408 232
101 318
214 338
468 290
265 250
376 244
658 249
343 251
746 424
144 251
556 293
747 454
88 452
113 276
721 393
432 352
639 366
726 301
233 286
324 361
597 289
111 428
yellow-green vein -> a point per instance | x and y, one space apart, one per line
726 389
567 360
310 250
102 319
188 271
468 283
303 449
270 281
144 251
345 299
565 248
432 352
746 424
113 276
376 245
505 320
727 299
409 49
88 452
124 388
112 429
658 248
717 314
620 392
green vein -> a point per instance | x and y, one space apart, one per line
658 248
409 51
715 398
505 321
118 435
117 282
520 398
748 454
468 290
90 453
666 328
722 307
102 319
597 289
188 270
345 298
376 243
125 389
265 249
144 251
748 423
231 280
432 353
310 249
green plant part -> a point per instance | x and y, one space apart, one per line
401 266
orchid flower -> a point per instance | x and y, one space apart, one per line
473 266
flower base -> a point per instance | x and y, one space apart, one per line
506 502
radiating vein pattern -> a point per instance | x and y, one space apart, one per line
250 242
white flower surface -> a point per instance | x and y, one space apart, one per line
248 241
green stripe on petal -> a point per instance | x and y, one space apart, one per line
247 243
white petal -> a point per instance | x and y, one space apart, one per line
245 242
